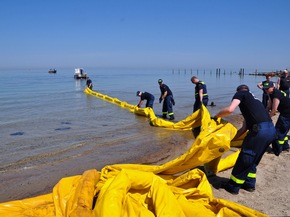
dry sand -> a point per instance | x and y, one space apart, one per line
272 195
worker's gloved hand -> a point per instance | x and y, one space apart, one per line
160 99
173 101
214 118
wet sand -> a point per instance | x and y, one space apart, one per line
140 145
271 196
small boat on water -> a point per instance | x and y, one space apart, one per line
80 74
52 71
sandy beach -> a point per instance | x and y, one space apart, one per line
271 196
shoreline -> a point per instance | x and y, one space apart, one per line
35 181
271 196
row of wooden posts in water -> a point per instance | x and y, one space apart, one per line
218 71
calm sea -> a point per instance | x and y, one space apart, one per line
48 118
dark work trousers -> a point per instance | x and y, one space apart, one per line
167 106
150 102
197 103
282 128
253 148
265 99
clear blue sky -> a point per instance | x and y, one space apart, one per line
145 33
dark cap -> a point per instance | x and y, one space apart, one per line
160 81
267 85
138 93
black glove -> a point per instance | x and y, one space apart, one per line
214 118
173 102
160 99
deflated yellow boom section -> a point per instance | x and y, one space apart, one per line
176 188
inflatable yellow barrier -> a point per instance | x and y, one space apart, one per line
215 163
130 193
175 188
187 124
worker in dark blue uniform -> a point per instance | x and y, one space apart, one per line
201 95
279 102
145 96
168 100
261 132
284 82
89 83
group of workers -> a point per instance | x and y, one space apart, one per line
258 124
261 130
166 96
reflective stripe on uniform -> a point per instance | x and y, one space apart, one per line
236 180
252 175
202 94
171 113
283 92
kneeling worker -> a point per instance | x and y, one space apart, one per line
145 95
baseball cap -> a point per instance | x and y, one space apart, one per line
160 81
138 93
267 85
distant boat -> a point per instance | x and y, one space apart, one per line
52 71
80 74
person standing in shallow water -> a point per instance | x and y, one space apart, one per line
201 96
89 83
145 96
168 101
261 132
